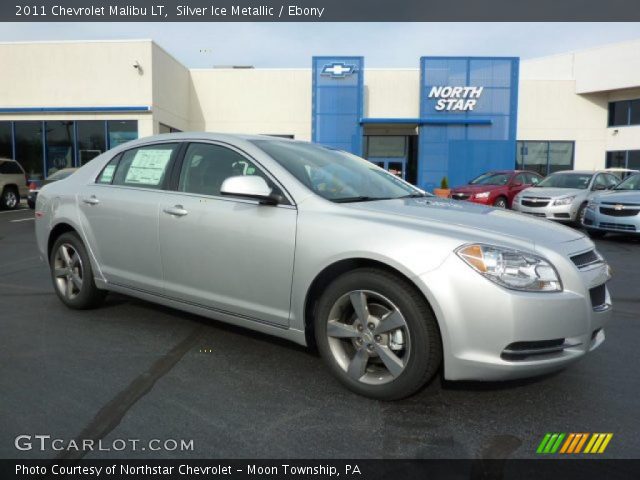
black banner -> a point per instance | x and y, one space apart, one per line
534 469
317 10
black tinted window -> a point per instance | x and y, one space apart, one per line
206 166
142 167
10 168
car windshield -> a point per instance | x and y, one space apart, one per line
336 175
566 180
491 179
631 183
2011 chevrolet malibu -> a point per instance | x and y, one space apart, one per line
322 247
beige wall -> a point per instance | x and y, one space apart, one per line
392 93
78 74
171 91
252 101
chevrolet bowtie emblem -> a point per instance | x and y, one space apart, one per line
338 70
619 207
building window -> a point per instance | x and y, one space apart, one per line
162 128
6 144
386 146
623 113
544 157
121 131
28 148
92 140
624 159
60 141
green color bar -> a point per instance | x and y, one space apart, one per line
550 443
555 448
543 443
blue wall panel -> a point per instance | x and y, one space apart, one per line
462 152
337 102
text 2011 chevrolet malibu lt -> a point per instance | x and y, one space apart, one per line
320 246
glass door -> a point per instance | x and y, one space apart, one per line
388 152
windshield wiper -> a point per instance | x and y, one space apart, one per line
415 195
361 198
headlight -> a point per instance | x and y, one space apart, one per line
564 201
511 268
482 195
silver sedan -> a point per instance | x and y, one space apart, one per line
319 246
563 196
616 211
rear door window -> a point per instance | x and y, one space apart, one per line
10 168
144 167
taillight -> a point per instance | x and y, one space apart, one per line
33 186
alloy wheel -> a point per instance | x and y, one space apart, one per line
368 337
10 199
68 271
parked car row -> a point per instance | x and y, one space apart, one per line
601 201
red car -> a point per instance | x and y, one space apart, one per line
496 188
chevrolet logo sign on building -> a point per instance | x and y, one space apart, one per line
338 70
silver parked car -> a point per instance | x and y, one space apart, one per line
320 246
617 210
563 196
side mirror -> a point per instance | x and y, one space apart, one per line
599 187
249 186
516 184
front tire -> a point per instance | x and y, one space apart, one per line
580 214
377 334
500 202
72 274
10 199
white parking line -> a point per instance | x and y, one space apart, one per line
22 220
14 211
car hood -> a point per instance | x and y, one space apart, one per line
631 196
475 188
551 192
490 221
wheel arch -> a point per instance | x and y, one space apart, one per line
55 233
332 271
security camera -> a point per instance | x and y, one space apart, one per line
136 65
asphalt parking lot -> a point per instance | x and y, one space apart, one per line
133 370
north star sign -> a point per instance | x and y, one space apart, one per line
456 99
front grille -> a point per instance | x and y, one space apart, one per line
535 202
460 196
586 259
598 295
561 215
587 221
613 212
623 227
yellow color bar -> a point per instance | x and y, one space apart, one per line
594 437
607 439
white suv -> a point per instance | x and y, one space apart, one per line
13 184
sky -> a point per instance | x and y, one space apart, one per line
291 45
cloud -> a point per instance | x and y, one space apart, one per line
293 44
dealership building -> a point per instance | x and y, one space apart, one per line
63 103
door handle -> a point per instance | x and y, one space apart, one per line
92 200
176 210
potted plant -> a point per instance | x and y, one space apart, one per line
444 191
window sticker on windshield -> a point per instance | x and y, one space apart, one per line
148 166
107 174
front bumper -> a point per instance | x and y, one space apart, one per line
481 322
560 213
594 220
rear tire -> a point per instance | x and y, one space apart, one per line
10 199
395 351
72 274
